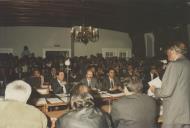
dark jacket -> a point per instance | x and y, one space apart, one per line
106 85
94 83
84 118
135 111
57 88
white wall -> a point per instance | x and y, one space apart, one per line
37 38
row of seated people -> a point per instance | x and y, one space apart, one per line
59 83
134 110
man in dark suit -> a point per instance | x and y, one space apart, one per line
59 85
83 114
111 82
135 110
151 74
89 80
175 89
36 79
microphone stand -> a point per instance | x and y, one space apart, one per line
67 70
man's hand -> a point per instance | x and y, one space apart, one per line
152 88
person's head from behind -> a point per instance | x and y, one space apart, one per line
80 89
81 101
176 49
25 47
133 85
18 90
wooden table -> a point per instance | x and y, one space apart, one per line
54 115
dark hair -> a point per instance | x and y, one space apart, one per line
81 101
76 89
35 69
25 47
111 69
58 71
134 84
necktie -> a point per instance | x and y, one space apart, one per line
63 86
64 90
111 83
89 83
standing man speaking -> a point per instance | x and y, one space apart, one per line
175 89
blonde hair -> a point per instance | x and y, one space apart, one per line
18 90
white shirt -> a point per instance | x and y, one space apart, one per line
62 83
111 83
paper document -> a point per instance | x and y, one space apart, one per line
41 101
117 94
156 82
54 100
63 97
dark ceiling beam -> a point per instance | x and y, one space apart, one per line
122 15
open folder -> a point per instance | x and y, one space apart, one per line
155 82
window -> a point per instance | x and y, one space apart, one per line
122 54
56 52
109 52
6 50
118 52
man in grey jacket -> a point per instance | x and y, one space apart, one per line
175 89
135 110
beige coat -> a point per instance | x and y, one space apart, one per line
20 115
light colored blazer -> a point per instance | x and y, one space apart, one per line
20 115
94 82
175 92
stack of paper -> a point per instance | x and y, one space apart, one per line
105 95
64 97
117 94
156 83
54 100
41 101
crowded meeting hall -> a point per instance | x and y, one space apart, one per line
94 64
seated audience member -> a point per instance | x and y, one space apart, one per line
14 111
89 80
59 85
135 110
151 74
36 80
49 74
130 70
111 82
83 114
